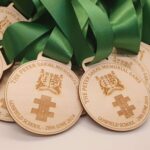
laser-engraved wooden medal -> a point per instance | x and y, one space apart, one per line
114 97
42 97
8 16
4 114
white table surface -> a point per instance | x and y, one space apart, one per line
85 135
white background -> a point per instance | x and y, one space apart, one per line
85 135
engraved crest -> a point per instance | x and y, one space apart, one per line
109 83
49 82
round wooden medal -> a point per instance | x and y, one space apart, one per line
114 97
4 114
42 97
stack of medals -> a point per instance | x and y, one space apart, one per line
46 97
8 16
120 99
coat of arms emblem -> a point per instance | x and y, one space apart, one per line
109 83
49 82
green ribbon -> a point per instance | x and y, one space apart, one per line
59 10
71 28
54 46
146 22
57 47
4 2
26 7
28 34
125 25
102 29
30 9
78 29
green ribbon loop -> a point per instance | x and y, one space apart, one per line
18 38
64 15
125 25
4 2
101 29
57 47
26 7
146 22
32 51
40 10
27 48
